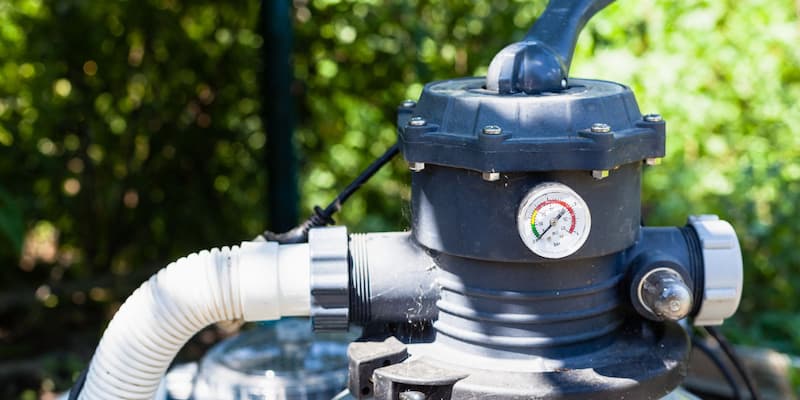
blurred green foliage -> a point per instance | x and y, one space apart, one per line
130 134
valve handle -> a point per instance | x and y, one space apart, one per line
541 61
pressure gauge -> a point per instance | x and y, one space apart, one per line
553 220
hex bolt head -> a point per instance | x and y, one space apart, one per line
417 121
492 130
653 118
416 166
408 103
491 176
664 293
599 127
600 174
652 161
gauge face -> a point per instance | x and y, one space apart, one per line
553 220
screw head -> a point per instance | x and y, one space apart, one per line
416 166
653 118
599 127
600 174
491 176
408 103
492 130
417 121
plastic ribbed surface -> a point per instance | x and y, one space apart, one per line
330 294
481 310
722 269
695 254
360 310
159 317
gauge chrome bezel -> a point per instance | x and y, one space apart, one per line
538 195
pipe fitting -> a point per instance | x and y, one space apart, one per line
255 282
665 275
392 279
723 274
707 263
330 289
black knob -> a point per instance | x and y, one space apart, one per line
541 61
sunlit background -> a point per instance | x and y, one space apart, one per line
133 132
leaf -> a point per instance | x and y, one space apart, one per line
11 222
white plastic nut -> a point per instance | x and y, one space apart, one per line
722 264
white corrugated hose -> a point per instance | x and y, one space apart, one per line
255 282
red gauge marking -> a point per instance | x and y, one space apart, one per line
548 202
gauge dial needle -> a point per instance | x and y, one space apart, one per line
553 223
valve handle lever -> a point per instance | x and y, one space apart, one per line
541 61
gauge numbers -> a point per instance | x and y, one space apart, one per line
553 220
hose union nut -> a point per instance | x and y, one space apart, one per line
723 275
329 281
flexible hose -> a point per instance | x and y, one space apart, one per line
700 345
259 281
